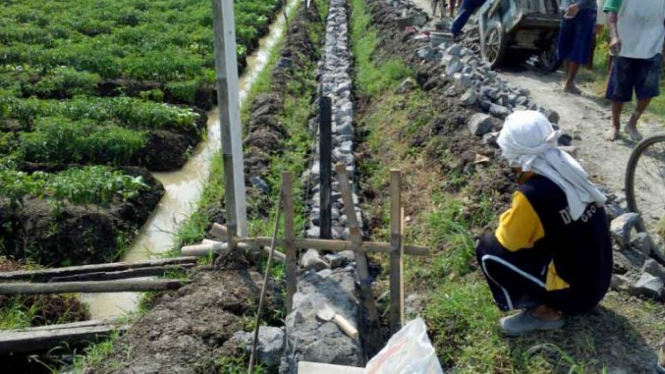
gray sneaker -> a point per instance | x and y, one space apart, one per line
524 322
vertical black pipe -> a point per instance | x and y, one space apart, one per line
325 165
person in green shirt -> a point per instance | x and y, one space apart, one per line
637 31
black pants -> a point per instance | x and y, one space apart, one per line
518 279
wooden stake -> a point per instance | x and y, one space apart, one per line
373 339
396 255
228 101
275 230
131 285
289 235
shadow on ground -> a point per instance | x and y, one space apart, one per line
600 340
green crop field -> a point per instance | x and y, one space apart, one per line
89 88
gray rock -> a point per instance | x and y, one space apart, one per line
553 116
657 248
490 139
344 128
448 59
613 211
314 232
522 100
565 140
619 282
649 286
312 261
259 183
480 124
485 104
525 91
463 81
335 260
622 226
414 304
348 256
270 346
499 111
490 92
467 70
654 268
642 243
325 273
427 53
469 97
318 341
406 86
451 92
454 50
453 67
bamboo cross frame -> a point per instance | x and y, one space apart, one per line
396 248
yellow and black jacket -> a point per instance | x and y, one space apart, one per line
540 255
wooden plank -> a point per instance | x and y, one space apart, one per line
228 102
131 285
318 368
396 296
339 245
30 341
124 274
373 340
289 235
71 325
46 274
213 247
325 166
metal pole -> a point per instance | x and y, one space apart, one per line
325 166
228 101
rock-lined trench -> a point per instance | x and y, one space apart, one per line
329 279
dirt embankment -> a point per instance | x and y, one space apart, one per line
190 331
79 234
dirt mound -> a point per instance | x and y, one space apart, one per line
79 234
186 331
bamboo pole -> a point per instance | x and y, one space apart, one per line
373 339
289 235
124 274
46 274
132 285
264 287
339 245
396 255
209 247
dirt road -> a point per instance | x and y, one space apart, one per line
584 117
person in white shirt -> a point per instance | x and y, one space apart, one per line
637 29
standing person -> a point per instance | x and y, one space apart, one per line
637 32
575 38
465 12
552 252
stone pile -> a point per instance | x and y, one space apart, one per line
328 279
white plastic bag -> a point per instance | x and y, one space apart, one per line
408 352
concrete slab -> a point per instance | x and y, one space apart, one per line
316 368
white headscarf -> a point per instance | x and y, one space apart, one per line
528 140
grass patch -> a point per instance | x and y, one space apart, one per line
375 78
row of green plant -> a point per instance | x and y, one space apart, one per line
89 185
125 111
156 40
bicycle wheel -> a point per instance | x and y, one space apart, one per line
645 181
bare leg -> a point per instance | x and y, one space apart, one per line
631 127
571 73
611 134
